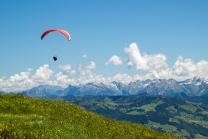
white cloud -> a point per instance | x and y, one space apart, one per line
86 72
68 69
114 60
202 69
17 82
43 73
85 69
155 65
64 80
135 58
25 80
22 76
149 66
186 68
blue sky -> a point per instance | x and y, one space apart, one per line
100 29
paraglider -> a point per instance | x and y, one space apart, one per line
63 32
55 58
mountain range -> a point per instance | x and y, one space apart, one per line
161 87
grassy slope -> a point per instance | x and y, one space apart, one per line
184 116
23 117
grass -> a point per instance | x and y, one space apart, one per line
165 127
27 118
181 116
151 106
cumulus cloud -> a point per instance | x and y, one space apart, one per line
87 69
22 76
187 68
134 57
64 80
43 73
26 80
87 72
149 66
67 68
155 65
17 82
114 60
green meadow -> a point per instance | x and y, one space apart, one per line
28 118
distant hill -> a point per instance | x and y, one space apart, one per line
184 116
24 117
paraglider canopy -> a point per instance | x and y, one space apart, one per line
63 32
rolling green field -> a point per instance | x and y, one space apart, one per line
182 116
27 118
